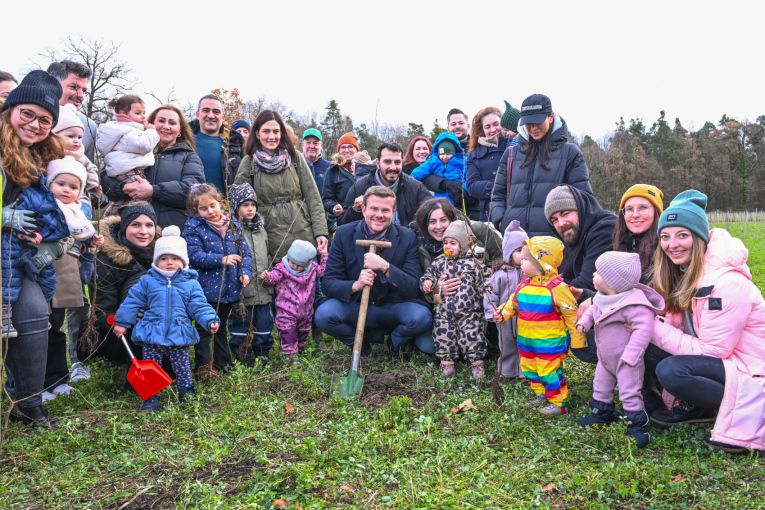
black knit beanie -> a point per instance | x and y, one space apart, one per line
38 88
131 212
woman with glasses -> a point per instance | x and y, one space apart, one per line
34 234
635 231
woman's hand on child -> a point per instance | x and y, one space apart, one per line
139 189
119 331
497 316
97 241
214 327
582 308
231 260
449 287
426 286
245 280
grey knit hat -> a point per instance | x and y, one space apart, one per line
301 253
513 239
620 270
559 199
459 231
171 243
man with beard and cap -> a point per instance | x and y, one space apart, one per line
410 193
586 229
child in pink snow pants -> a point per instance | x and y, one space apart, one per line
295 279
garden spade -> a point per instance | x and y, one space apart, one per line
145 376
347 387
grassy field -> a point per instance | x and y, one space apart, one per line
272 435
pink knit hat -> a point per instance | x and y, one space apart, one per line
68 118
620 270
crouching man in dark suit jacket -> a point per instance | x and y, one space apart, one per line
396 306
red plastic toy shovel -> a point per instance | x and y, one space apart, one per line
146 377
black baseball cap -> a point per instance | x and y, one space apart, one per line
535 109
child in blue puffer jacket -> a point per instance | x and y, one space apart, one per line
169 294
219 252
447 160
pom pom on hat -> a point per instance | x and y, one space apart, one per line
171 243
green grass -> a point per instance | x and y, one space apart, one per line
399 446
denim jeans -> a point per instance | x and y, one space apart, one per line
262 319
405 321
27 353
56 370
424 342
695 379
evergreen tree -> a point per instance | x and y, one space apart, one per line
437 130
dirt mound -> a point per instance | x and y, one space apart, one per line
380 386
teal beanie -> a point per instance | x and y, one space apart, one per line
687 210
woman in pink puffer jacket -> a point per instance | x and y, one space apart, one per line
713 332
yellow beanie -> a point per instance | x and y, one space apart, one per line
650 193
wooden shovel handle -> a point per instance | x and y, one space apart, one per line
361 323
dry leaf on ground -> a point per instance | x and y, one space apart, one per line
290 409
347 488
678 479
547 488
281 503
465 406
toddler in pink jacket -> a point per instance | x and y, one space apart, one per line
620 300
295 279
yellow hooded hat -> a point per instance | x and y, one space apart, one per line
548 252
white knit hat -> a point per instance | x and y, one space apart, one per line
67 165
620 270
171 243
68 118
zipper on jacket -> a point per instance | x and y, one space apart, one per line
168 315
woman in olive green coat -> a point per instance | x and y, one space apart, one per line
288 198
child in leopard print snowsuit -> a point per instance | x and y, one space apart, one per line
458 321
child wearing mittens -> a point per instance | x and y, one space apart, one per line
620 300
503 283
295 280
458 322
168 294
546 312
219 252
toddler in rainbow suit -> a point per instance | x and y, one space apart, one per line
546 312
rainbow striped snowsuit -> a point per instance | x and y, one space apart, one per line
546 312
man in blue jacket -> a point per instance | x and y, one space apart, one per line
395 304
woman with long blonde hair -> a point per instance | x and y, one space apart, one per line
708 349
30 212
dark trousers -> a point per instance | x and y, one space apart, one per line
588 354
56 369
261 318
26 355
405 321
694 379
221 356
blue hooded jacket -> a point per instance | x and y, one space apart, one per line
206 250
454 169
167 306
36 197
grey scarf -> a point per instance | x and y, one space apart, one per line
272 164
489 142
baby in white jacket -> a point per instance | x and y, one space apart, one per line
66 180
128 142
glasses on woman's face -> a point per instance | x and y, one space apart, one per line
30 116
642 210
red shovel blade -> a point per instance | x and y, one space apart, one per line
147 378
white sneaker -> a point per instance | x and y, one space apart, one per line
47 396
79 373
538 399
63 389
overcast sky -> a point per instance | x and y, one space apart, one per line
596 61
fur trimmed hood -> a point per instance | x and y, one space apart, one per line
116 252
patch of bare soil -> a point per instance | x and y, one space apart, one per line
380 386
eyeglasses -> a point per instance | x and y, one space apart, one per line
347 147
630 211
30 116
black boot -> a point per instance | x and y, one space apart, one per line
33 416
400 353
601 413
151 405
728 448
682 412
637 426
652 401
186 394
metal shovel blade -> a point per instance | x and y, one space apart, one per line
347 387
147 378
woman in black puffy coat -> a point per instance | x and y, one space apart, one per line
176 167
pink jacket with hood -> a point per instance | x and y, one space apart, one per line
729 318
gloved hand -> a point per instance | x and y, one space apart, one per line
454 189
46 254
21 220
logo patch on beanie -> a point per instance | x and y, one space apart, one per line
671 217
50 100
651 193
